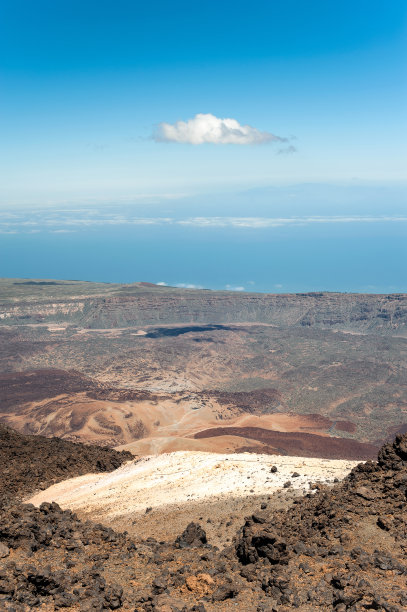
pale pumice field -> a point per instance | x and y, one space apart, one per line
184 477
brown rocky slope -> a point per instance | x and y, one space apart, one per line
29 463
343 548
340 548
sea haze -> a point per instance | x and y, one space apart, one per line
280 239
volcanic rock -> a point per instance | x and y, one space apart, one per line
193 536
35 462
338 548
355 532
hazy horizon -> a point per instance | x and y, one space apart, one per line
258 147
296 238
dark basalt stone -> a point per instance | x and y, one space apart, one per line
192 536
35 462
394 456
339 548
322 526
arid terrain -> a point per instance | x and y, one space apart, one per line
188 484
156 369
339 546
239 423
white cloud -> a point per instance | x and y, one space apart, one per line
63 223
270 222
206 128
188 286
234 288
253 222
180 285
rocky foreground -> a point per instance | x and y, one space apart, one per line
177 488
29 463
339 548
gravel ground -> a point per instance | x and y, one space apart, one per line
175 488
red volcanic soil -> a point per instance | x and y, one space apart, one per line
253 402
17 388
345 426
315 421
298 443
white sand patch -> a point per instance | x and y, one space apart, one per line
179 477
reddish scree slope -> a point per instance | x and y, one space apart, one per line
298 443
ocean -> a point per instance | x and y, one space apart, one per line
279 241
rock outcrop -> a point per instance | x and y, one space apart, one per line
339 548
29 463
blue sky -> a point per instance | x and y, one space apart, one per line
239 145
85 85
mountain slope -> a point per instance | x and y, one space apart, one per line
340 548
34 462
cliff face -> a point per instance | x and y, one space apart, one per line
125 306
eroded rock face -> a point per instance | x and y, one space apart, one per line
140 304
